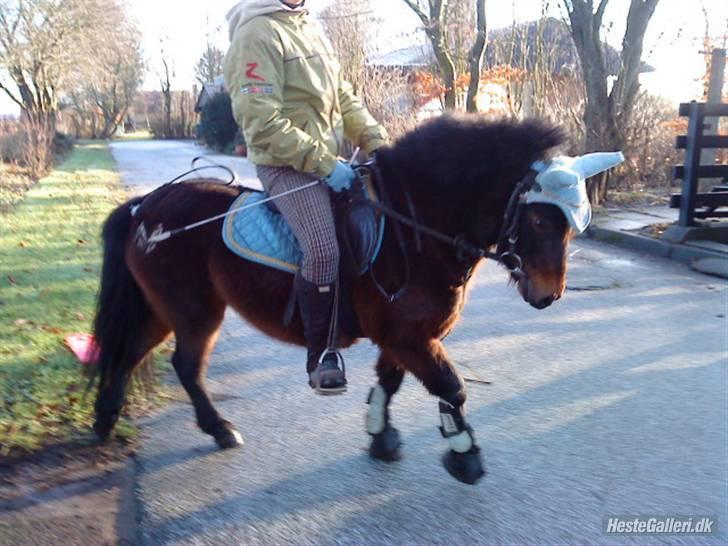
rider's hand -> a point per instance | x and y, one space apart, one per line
341 177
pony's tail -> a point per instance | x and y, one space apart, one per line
121 310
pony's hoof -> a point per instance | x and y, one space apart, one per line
228 437
103 426
465 467
386 445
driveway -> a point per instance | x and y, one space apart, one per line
611 402
146 164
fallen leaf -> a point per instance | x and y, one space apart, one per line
22 244
20 322
81 242
12 280
88 269
80 316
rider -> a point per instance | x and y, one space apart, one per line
294 108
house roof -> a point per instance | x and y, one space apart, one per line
416 55
209 90
509 46
518 45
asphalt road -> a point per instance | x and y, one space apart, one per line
145 164
614 401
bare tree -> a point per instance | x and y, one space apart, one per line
433 21
106 85
475 58
348 24
42 43
386 91
437 16
165 82
607 113
209 65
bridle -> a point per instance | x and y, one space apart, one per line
505 253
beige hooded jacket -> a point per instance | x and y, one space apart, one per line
287 92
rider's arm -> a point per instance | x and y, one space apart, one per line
359 125
254 74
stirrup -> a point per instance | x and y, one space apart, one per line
328 378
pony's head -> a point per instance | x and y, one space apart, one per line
553 210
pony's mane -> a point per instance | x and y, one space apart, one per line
454 150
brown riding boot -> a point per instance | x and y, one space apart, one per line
316 304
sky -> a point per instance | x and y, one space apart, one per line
672 44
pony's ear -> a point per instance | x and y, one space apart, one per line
595 163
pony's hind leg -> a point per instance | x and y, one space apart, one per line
190 361
429 363
386 443
115 378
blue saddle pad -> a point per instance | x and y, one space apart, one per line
261 234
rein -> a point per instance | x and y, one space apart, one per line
505 253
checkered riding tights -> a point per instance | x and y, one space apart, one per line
311 219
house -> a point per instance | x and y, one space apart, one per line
209 90
544 46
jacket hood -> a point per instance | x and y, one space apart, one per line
245 10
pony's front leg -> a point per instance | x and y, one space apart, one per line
386 443
431 366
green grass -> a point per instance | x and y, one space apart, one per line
50 264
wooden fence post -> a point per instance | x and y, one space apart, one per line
692 164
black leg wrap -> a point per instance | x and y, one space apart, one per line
465 467
386 445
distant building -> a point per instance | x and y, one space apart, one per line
208 91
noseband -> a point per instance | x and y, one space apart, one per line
505 253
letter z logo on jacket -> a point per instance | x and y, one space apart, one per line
250 72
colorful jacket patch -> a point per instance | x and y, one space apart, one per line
249 89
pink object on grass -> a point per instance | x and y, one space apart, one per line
84 347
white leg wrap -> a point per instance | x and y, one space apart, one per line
461 443
376 419
458 437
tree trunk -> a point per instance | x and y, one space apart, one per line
434 28
476 59
606 114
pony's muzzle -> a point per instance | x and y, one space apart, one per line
540 291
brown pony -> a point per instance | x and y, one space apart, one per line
459 172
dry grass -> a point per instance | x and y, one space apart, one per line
14 182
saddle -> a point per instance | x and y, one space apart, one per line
260 234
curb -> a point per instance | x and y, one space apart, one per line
647 245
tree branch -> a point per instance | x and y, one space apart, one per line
599 14
415 6
12 97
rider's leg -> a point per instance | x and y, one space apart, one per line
310 216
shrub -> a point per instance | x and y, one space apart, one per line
38 136
62 145
181 118
218 124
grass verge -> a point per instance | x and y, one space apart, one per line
14 182
51 255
